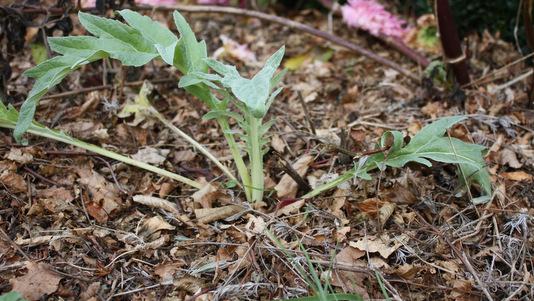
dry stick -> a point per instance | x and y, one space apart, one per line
396 43
290 24
41 177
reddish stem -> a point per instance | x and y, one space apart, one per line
450 41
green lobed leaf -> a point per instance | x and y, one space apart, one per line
49 74
12 296
202 92
190 54
275 59
116 40
114 30
117 49
215 114
254 93
278 78
162 38
427 144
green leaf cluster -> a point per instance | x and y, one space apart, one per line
427 144
141 40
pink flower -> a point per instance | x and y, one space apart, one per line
371 16
235 50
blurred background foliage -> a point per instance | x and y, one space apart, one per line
477 15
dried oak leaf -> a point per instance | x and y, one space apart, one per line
104 195
38 282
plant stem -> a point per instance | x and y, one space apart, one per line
238 159
450 41
256 159
40 130
194 143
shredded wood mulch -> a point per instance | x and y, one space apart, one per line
76 226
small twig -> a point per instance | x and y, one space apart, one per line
11 242
41 177
112 174
306 114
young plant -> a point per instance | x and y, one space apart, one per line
144 40
427 144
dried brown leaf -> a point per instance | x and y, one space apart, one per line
507 156
152 226
386 211
166 270
383 244
85 130
151 155
209 215
189 284
90 292
278 144
206 195
155 203
517 176
38 282
19 155
407 271
291 208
